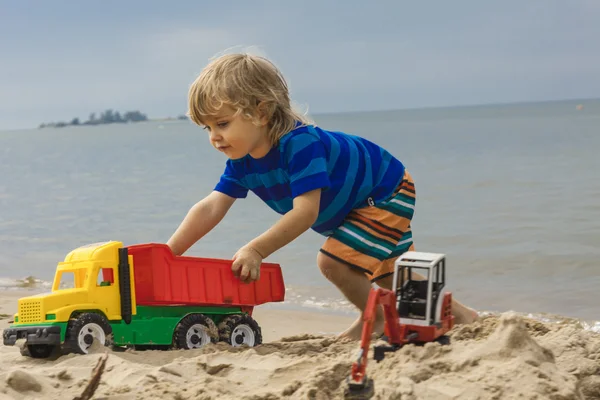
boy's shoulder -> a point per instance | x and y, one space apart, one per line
332 140
304 136
300 133
300 137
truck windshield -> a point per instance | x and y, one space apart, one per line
76 277
69 279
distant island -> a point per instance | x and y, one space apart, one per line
108 117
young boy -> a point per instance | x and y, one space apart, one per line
346 188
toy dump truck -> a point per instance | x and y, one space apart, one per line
142 295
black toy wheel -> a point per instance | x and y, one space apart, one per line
37 350
240 330
83 329
443 340
195 331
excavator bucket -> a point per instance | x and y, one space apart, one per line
359 391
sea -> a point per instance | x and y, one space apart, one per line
509 193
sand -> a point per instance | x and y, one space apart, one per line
502 356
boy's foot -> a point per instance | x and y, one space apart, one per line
354 332
463 315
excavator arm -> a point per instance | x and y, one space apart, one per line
393 330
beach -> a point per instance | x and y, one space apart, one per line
536 290
501 356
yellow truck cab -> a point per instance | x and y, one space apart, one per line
85 297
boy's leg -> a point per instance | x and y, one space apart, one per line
355 286
357 250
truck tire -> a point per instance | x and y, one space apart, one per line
195 331
240 330
37 350
83 329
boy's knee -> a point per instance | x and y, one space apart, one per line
326 265
332 270
386 283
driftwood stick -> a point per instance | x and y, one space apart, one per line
94 382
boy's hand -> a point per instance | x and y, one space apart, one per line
247 260
246 264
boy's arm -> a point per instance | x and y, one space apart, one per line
291 225
246 262
305 157
200 220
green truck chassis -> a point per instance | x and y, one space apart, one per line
153 326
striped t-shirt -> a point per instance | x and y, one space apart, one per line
351 171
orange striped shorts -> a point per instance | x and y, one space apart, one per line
371 238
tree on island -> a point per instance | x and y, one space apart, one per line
107 117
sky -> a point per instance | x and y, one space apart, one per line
65 59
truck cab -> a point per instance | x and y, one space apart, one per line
87 279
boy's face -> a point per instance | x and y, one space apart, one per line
237 136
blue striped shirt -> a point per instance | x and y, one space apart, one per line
348 169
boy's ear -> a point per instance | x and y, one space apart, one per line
263 113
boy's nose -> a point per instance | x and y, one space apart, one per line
214 137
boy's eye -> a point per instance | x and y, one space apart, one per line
222 124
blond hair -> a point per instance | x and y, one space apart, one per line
243 82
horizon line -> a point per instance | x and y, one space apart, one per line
368 111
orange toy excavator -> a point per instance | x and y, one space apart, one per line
416 311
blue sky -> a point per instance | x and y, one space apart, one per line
61 59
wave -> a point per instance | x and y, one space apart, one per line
301 298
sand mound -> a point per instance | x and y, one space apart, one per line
503 362
502 357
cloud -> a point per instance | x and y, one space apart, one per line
61 63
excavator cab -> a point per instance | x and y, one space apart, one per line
418 300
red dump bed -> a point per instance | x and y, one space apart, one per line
164 279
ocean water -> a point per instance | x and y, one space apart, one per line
510 193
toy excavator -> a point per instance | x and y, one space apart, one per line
416 311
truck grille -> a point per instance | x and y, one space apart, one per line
30 311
